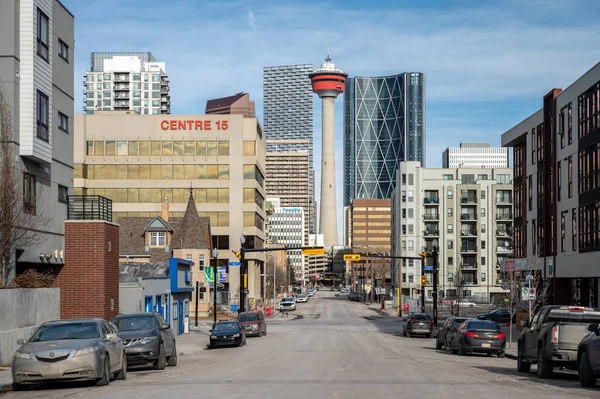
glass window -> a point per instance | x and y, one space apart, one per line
166 193
155 172
201 148
189 172
211 195
111 148
211 148
178 148
167 148
223 172
144 150
107 76
133 148
42 115
223 148
167 171
222 219
63 122
99 148
201 171
200 195
144 171
155 148
121 172
249 172
450 194
110 171
189 148
248 219
249 149
249 196
212 172
450 210
178 172
121 148
43 33
137 77
223 196
133 171
155 77
157 238
450 228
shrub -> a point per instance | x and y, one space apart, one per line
32 279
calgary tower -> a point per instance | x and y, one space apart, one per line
328 82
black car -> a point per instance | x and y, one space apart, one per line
450 326
418 323
483 336
353 296
147 338
499 316
227 333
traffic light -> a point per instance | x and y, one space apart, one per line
423 254
423 281
417 291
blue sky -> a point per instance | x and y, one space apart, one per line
488 63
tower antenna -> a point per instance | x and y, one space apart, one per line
328 58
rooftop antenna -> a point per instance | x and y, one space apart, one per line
328 58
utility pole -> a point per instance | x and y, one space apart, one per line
242 273
197 300
435 282
423 256
215 254
372 282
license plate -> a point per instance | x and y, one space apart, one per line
420 324
486 345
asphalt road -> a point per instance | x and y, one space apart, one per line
340 349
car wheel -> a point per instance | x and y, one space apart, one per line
501 354
105 379
122 374
462 351
586 374
544 366
522 365
490 354
452 348
161 362
438 345
172 360
447 345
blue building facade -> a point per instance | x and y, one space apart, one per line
384 124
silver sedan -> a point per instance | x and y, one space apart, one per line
69 350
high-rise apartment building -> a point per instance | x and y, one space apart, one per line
468 213
288 124
36 82
142 161
475 155
124 81
384 124
556 154
285 225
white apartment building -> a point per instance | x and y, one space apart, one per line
285 225
475 155
126 82
469 212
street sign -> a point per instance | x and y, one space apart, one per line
531 293
529 277
313 251
525 293
428 268
352 257
231 264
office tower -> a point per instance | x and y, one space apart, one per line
288 126
475 155
124 81
384 124
328 82
36 83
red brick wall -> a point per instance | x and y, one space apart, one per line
90 276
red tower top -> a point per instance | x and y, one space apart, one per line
328 81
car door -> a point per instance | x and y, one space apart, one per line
500 316
532 333
456 336
594 352
167 335
441 337
110 340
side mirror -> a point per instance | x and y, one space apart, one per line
21 341
165 326
591 327
525 323
210 331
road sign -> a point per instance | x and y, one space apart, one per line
428 268
233 263
525 293
529 277
352 257
531 293
313 251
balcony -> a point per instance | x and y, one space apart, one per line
465 217
430 216
502 233
503 250
121 87
504 217
431 233
504 201
121 95
431 201
469 283
164 90
468 250
468 233
468 265
89 207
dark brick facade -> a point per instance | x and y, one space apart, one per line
89 280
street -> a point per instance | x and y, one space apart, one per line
339 349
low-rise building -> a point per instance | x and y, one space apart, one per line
468 213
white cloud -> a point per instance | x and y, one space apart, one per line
251 20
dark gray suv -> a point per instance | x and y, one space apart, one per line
147 338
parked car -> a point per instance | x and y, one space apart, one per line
353 296
553 337
444 336
483 336
287 303
501 315
227 333
418 323
588 355
311 293
253 323
69 350
302 298
464 303
147 338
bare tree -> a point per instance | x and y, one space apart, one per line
20 219
455 293
543 287
281 278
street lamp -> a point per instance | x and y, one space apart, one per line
215 255
435 282
274 279
242 272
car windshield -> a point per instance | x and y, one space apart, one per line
249 317
132 323
57 332
573 316
421 317
287 300
483 325
225 326
302 296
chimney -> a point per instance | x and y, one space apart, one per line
165 210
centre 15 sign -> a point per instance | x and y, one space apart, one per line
194 124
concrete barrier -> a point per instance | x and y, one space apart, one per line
22 311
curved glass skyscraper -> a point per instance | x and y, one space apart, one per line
384 124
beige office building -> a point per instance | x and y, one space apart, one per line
141 161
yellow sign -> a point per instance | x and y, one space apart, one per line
352 257
313 251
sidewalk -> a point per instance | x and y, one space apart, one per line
5 379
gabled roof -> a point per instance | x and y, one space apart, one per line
158 224
193 231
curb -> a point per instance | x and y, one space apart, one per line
5 387
510 356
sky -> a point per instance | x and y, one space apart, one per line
488 64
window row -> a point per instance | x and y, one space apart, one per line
589 228
589 169
253 219
589 110
157 195
164 148
120 76
124 171
252 195
217 219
